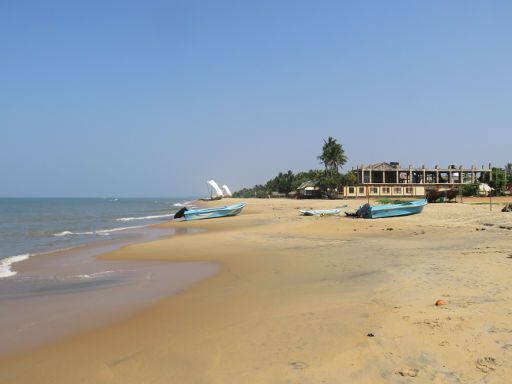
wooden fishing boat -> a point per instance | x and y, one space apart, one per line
390 210
434 195
210 213
214 190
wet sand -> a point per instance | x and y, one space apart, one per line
297 298
69 291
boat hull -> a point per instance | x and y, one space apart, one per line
320 212
212 213
393 210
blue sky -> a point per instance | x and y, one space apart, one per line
123 98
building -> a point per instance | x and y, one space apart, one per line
309 190
390 179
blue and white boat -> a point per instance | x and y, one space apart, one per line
210 213
320 212
390 210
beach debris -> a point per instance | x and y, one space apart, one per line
505 227
411 372
440 303
507 208
487 364
389 229
371 334
298 365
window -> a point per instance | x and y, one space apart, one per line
385 190
361 190
397 190
409 190
374 190
350 189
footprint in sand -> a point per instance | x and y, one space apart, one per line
411 372
487 364
298 365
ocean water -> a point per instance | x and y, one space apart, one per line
32 226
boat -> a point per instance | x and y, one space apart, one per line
389 210
215 192
227 191
321 212
434 195
210 213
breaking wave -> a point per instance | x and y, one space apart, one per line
5 264
184 204
145 217
101 232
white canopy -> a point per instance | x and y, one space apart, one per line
216 188
227 191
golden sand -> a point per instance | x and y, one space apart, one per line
311 300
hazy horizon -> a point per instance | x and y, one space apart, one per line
129 99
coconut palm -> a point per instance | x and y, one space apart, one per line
333 156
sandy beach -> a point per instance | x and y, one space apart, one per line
310 300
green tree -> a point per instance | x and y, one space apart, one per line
350 178
470 189
282 183
329 181
499 180
333 156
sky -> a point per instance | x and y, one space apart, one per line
153 98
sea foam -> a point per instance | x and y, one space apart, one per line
144 217
5 264
101 232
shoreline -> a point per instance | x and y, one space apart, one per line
296 298
54 294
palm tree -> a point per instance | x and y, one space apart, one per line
333 156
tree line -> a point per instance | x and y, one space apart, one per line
329 179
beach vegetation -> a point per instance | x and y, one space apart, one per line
499 181
470 189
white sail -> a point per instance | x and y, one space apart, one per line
227 191
216 188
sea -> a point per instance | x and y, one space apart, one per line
33 226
